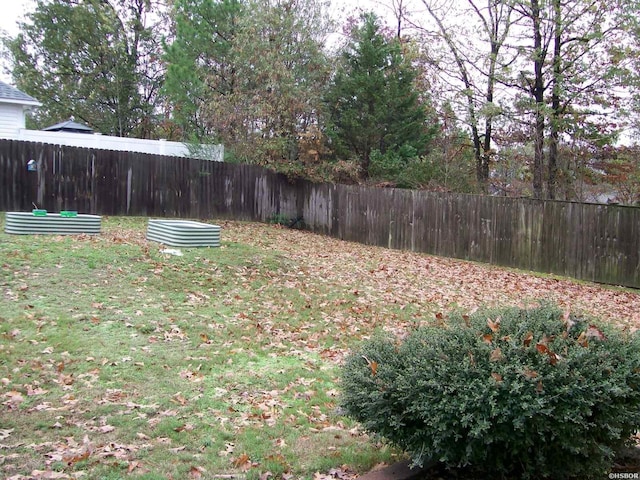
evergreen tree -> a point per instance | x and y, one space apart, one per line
372 103
200 63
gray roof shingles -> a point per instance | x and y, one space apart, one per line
13 95
69 125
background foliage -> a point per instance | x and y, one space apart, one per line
521 98
95 61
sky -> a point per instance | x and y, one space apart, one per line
12 11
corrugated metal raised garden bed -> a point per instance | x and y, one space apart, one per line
183 233
41 222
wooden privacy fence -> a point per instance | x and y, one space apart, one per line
586 241
124 183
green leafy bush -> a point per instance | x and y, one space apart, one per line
522 393
405 169
389 166
286 220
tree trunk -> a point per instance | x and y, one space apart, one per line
538 95
488 125
477 151
555 102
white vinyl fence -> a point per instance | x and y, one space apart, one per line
103 142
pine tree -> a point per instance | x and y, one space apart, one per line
372 102
200 63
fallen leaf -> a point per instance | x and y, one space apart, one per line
494 325
342 473
472 360
13 333
75 459
594 332
567 320
197 472
582 339
228 450
554 358
14 397
372 365
280 443
496 355
243 462
31 391
188 427
66 379
542 348
179 399
49 475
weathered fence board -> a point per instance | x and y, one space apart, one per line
587 241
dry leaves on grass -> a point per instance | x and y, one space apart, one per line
346 290
435 284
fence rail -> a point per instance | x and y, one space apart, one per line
586 241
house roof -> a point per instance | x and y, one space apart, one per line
69 126
9 94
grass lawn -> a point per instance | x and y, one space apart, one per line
117 360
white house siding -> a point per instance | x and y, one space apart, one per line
11 120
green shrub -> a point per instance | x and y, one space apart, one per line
286 221
516 393
389 166
422 172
